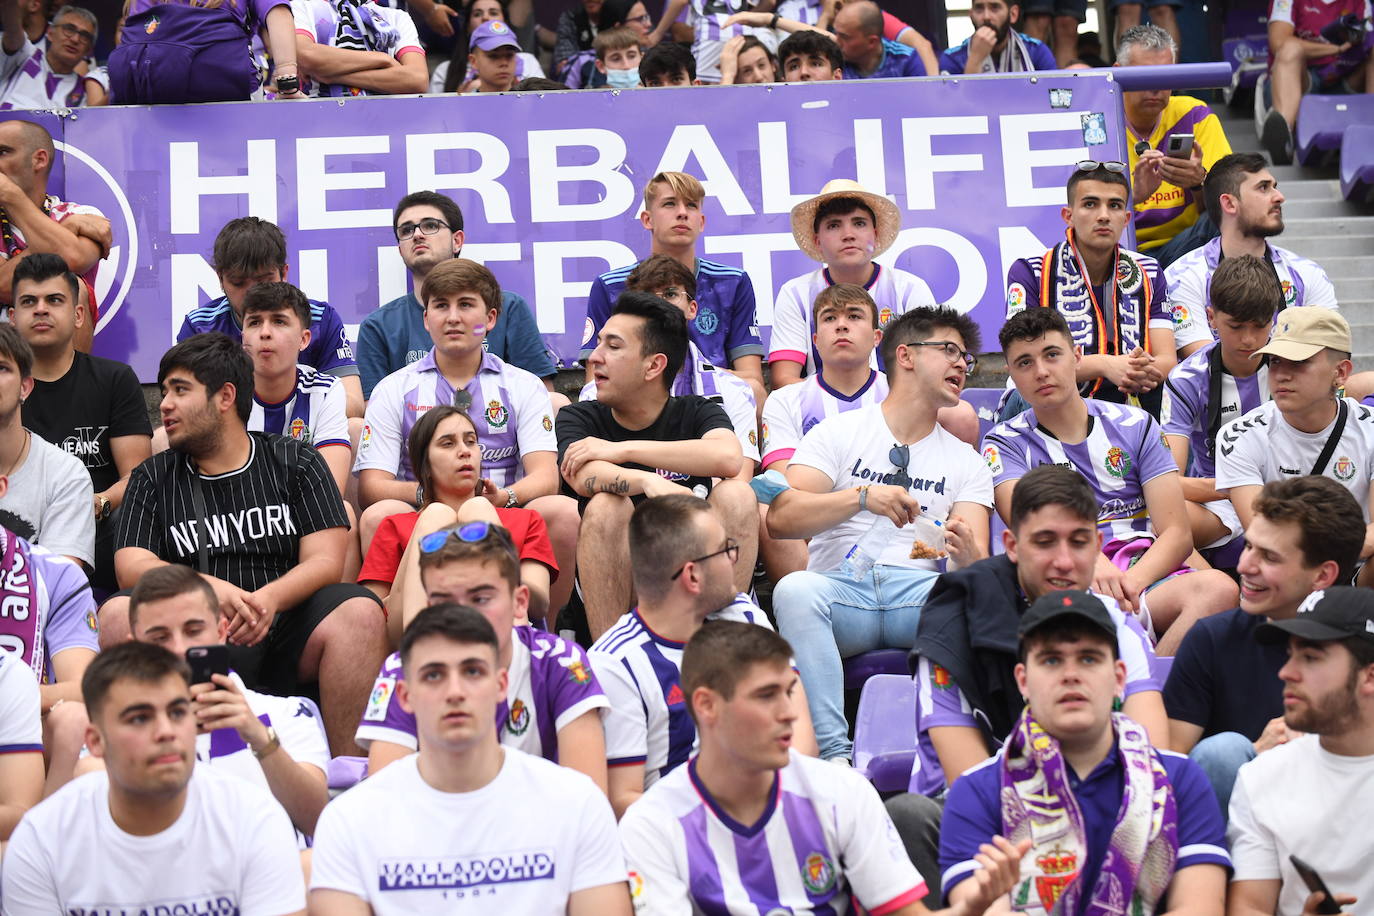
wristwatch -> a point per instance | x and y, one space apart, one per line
103 508
511 500
273 742
419 496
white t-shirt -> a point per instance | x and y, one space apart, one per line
852 449
1302 281
21 722
894 291
1299 799
232 850
49 499
522 844
1261 446
28 81
826 843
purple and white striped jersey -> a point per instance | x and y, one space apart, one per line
1190 280
710 33
791 411
329 349
21 720
894 291
314 413
1185 410
64 618
510 408
641 673
1124 451
550 685
940 702
823 844
731 392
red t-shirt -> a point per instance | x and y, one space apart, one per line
526 529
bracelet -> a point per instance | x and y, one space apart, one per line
773 24
863 498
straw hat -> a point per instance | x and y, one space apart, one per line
885 212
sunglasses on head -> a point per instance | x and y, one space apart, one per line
1092 165
471 533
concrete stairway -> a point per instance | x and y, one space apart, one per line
1320 225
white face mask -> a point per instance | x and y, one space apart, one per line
623 79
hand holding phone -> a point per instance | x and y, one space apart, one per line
205 661
1316 885
1179 146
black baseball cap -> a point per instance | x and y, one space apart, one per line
1069 603
1335 613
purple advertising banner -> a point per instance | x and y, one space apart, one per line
550 186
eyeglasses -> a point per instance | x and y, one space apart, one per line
731 550
953 352
427 226
471 533
1111 165
672 292
642 20
71 31
900 456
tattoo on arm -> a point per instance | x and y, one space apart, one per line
617 486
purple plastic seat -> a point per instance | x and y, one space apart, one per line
859 668
346 772
885 731
984 402
1160 666
1357 163
1322 123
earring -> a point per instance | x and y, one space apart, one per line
1116 704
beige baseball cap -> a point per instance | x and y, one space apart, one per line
1304 331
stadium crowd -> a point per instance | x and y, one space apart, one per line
389 625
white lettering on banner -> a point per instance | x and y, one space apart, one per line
314 181
756 257
1018 159
313 272
258 184
869 160
970 268
1016 242
193 281
493 159
922 164
393 280
694 141
775 173
550 287
546 175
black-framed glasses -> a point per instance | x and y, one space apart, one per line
953 352
72 31
427 226
1092 165
471 533
731 550
462 399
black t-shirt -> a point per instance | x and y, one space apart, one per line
256 515
96 401
1225 680
684 417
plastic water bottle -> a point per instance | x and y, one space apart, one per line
862 557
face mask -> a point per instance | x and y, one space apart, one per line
623 79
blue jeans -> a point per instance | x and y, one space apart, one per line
1220 756
828 617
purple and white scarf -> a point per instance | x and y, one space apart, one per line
1038 803
21 624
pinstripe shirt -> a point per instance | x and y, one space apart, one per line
256 515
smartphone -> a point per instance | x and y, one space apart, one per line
1315 884
207 660
1180 146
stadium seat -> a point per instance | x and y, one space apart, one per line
1322 123
859 668
1245 48
984 402
885 731
1357 163
346 772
